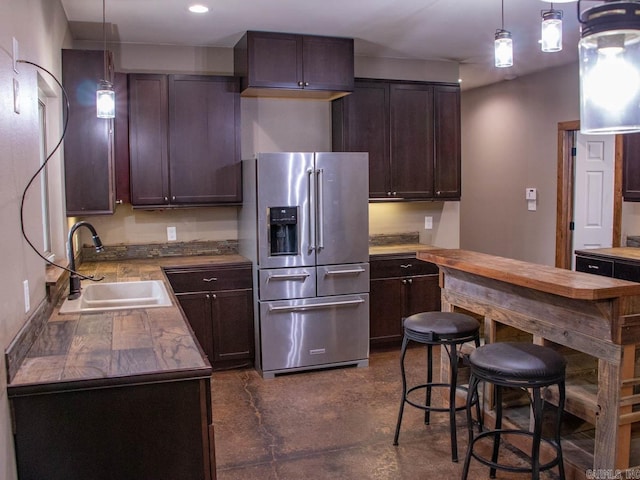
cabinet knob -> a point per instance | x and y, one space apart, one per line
438 192
300 84
173 198
119 202
166 199
388 194
404 281
395 193
410 281
214 296
306 84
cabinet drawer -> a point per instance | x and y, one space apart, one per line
209 279
593 265
626 271
400 267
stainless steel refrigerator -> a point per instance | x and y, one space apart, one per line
304 224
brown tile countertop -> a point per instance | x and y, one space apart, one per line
126 346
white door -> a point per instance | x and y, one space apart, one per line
593 192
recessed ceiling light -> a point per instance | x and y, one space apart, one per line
197 8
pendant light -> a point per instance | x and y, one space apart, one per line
503 46
609 56
551 30
105 96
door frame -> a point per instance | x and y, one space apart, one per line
565 185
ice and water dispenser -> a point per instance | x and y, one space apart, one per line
283 227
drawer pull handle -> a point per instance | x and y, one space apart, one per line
594 267
406 265
345 272
212 279
291 276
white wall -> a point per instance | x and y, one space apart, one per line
509 142
41 28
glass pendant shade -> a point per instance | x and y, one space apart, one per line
609 56
106 100
503 49
551 31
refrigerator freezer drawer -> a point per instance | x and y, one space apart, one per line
343 279
308 333
287 283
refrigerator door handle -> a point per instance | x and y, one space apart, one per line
292 276
320 176
311 194
345 272
315 306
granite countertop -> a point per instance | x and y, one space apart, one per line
625 253
94 349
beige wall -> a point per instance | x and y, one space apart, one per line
268 125
509 142
40 27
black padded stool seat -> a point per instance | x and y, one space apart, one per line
450 330
523 365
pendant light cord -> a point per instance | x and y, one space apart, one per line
104 40
42 167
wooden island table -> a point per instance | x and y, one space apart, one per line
593 320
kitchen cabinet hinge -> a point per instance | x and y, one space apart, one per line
574 151
572 226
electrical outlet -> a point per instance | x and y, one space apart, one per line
171 234
428 223
27 303
15 55
16 96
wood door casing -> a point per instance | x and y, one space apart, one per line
564 185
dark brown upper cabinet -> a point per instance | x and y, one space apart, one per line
631 167
412 133
184 138
290 65
88 143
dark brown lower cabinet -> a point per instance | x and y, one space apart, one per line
401 285
218 304
149 430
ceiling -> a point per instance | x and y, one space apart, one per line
447 30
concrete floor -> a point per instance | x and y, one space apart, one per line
334 424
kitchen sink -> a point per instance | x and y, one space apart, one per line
99 297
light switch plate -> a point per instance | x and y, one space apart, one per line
428 223
171 234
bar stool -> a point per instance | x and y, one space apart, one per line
523 365
450 330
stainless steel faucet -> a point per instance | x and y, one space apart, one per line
75 277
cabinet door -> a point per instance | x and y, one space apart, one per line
631 168
232 319
88 144
361 124
204 125
121 139
422 294
197 309
411 123
385 318
447 142
327 63
148 139
274 60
